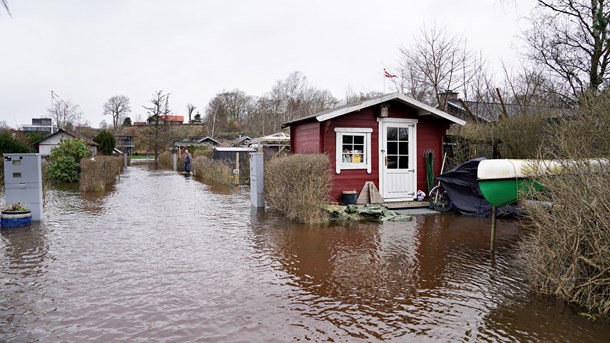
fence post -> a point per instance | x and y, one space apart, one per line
236 170
257 179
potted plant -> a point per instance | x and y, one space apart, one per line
15 215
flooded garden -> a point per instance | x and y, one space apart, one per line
163 257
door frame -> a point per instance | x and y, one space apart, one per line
413 153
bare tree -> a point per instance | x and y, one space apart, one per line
435 63
5 5
118 107
570 38
190 108
157 134
64 114
228 110
212 117
293 98
351 96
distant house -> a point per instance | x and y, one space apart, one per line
167 119
273 140
486 112
124 143
272 144
171 120
242 141
47 144
198 141
383 140
42 125
231 153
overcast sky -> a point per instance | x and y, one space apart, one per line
87 51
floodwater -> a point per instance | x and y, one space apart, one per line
164 258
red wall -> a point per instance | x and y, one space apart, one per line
352 179
315 137
430 133
305 137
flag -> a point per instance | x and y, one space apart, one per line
387 74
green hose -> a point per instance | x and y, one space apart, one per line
429 155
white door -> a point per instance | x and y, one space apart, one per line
397 160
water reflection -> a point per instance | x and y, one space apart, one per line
23 252
163 257
432 277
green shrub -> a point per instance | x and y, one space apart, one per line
8 144
298 186
64 169
65 160
106 142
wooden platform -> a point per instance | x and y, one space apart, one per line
407 204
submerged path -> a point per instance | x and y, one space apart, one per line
164 258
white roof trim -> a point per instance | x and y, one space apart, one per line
422 108
236 149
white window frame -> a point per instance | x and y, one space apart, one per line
366 154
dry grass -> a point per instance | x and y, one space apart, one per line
165 159
515 137
208 170
298 186
99 172
568 253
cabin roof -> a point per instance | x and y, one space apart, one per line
68 133
422 109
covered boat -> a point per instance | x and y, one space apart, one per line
461 186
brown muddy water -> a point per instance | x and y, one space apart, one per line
164 258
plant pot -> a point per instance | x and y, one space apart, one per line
350 197
16 218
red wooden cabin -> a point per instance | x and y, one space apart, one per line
382 140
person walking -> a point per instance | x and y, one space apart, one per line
187 162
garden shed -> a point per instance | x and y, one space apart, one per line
382 140
47 144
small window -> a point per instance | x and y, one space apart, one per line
353 149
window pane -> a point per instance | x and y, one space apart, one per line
392 162
345 157
357 156
403 148
403 162
404 134
392 148
392 133
352 149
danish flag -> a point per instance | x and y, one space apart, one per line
387 74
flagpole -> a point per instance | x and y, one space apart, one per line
384 81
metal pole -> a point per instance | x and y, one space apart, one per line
175 159
492 246
236 172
